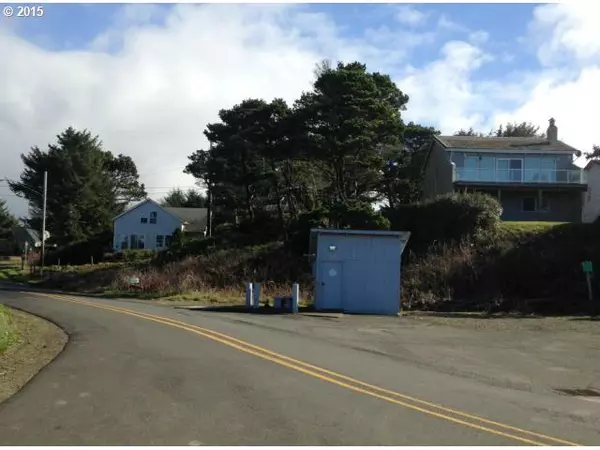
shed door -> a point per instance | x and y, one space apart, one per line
331 285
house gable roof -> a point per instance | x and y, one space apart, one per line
504 143
591 163
194 219
24 234
143 202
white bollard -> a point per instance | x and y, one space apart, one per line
249 295
295 297
256 295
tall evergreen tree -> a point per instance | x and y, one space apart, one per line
349 117
7 221
178 198
87 186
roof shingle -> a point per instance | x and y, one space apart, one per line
503 143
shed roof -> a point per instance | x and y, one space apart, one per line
404 236
504 143
400 234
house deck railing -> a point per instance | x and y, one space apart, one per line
575 176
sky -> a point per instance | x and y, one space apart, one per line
148 78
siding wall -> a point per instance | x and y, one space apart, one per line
591 204
370 271
130 223
563 162
563 206
437 177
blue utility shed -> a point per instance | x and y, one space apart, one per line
357 271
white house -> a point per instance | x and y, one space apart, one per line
149 225
591 200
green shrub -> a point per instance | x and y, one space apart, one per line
444 219
349 215
82 252
133 255
299 229
516 269
357 216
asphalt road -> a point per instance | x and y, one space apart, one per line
139 374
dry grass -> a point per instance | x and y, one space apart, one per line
215 278
523 267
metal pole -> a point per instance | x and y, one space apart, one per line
44 222
210 210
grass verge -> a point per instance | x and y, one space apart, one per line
11 271
8 333
32 343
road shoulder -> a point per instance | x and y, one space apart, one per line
38 343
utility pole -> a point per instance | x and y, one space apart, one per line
210 209
44 222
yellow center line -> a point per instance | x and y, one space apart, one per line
322 374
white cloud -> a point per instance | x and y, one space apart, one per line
445 23
152 94
149 90
449 94
572 102
442 93
479 37
567 30
409 15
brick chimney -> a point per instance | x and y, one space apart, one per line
552 133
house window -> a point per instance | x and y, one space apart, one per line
124 242
160 241
144 220
137 241
168 240
529 204
532 204
509 169
153 217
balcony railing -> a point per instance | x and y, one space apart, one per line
520 175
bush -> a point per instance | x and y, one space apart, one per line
271 264
134 255
526 271
82 252
349 215
445 219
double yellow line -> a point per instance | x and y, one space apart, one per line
425 407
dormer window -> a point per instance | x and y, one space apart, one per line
153 216
144 220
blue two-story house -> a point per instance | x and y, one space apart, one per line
534 179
